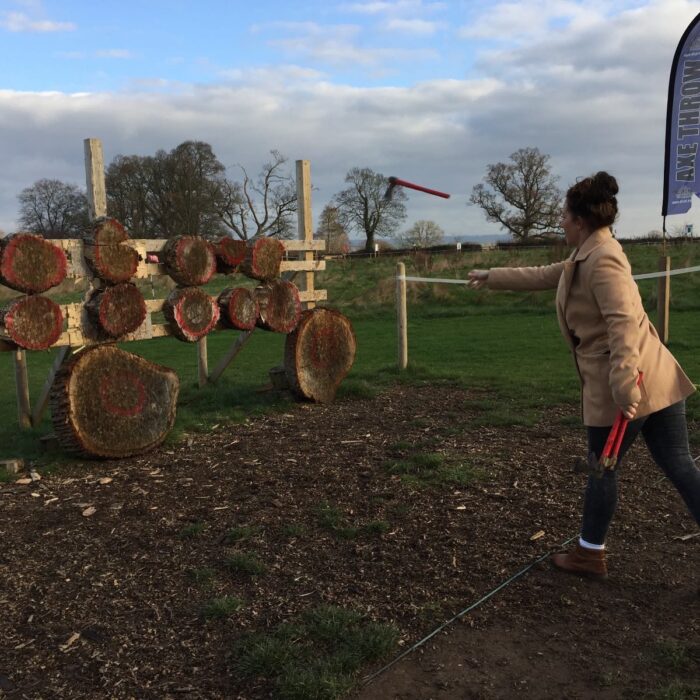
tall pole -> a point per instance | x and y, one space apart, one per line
401 316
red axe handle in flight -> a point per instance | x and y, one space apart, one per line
395 181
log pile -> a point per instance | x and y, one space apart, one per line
189 260
30 264
108 403
106 253
191 313
279 304
263 259
230 253
239 309
117 310
319 354
33 322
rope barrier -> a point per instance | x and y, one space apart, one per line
645 276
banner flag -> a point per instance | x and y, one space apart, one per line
681 177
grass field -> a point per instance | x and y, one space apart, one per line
505 343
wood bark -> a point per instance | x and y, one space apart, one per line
189 260
33 322
107 403
30 264
191 313
230 253
263 258
279 304
239 309
117 310
319 354
107 254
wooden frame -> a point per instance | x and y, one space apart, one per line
75 334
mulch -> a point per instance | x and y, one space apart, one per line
98 600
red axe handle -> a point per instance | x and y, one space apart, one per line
393 181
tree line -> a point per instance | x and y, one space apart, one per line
187 191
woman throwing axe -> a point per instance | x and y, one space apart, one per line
622 364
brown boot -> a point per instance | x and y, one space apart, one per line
582 561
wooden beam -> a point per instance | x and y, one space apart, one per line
664 299
202 362
95 178
24 408
226 360
401 316
61 356
306 231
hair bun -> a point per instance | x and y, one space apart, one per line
604 185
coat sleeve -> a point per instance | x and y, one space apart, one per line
525 279
613 290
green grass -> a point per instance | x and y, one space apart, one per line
678 690
434 469
316 657
674 655
331 519
245 563
221 608
241 533
505 345
202 577
192 531
294 530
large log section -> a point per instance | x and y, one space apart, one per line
106 253
117 310
230 253
319 353
33 323
279 305
30 264
191 313
263 259
239 309
189 260
109 403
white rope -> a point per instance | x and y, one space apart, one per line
645 276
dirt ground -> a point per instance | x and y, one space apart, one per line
97 597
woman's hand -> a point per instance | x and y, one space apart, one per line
630 411
477 278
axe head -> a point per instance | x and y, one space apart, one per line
590 465
390 189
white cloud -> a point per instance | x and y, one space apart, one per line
396 7
20 22
114 53
413 26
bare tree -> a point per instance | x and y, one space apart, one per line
362 206
422 234
332 231
54 209
264 206
521 196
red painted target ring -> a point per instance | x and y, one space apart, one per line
122 395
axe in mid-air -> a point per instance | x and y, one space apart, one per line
397 182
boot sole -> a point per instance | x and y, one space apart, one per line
582 574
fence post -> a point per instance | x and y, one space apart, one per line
401 315
202 361
24 409
305 225
664 299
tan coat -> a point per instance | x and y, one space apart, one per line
603 321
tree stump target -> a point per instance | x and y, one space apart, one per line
319 354
30 264
191 313
189 260
117 310
239 309
263 259
106 254
279 305
110 403
33 323
230 253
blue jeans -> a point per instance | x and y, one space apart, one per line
666 435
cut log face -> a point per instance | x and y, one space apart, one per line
239 309
263 258
191 313
189 260
107 254
280 307
117 310
319 354
109 403
30 264
230 253
33 323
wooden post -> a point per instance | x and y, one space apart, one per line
95 178
664 299
24 409
306 231
61 356
202 361
401 316
230 355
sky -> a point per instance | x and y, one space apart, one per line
428 91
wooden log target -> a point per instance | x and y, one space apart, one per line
280 307
189 260
110 403
117 310
30 264
107 255
263 258
239 308
33 322
319 354
191 313
230 253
